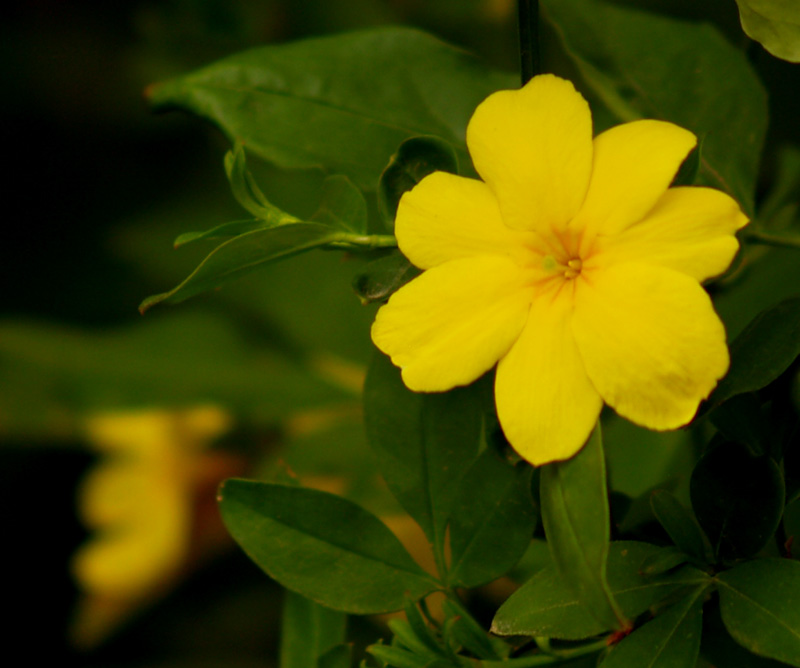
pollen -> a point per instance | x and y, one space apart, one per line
573 268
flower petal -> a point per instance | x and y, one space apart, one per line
445 217
451 324
546 403
634 164
690 230
533 147
651 342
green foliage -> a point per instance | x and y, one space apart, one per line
759 607
641 65
575 515
324 91
774 23
680 525
322 546
383 276
308 632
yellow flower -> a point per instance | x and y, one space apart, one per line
572 265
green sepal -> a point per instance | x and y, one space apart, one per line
415 159
297 535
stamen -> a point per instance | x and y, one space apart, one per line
575 263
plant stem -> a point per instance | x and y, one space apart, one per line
541 659
528 19
349 241
772 240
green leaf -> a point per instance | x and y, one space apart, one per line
245 253
470 635
547 606
308 630
322 546
343 103
758 602
762 352
342 206
642 65
415 159
423 443
681 525
575 514
231 229
774 23
340 656
671 640
738 499
492 521
383 277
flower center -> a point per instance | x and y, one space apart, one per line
569 269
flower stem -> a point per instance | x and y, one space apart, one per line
772 240
350 241
530 63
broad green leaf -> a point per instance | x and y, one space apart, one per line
308 630
343 103
382 277
670 640
245 253
322 546
762 352
547 606
575 514
423 443
738 499
415 159
758 602
342 206
680 524
666 559
641 65
774 23
492 521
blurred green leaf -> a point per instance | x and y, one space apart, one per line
738 499
308 630
646 66
339 656
423 443
671 640
322 546
547 606
470 635
492 521
758 603
774 23
384 276
343 103
575 514
762 352
681 525
415 159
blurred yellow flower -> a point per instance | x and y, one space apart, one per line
139 500
572 265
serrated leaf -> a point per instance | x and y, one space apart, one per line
758 603
415 159
773 23
546 605
575 514
423 443
642 65
322 546
245 253
492 522
738 499
383 277
308 630
671 640
343 103
762 352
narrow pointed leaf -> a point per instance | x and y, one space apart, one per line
680 524
671 640
575 514
322 546
758 603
